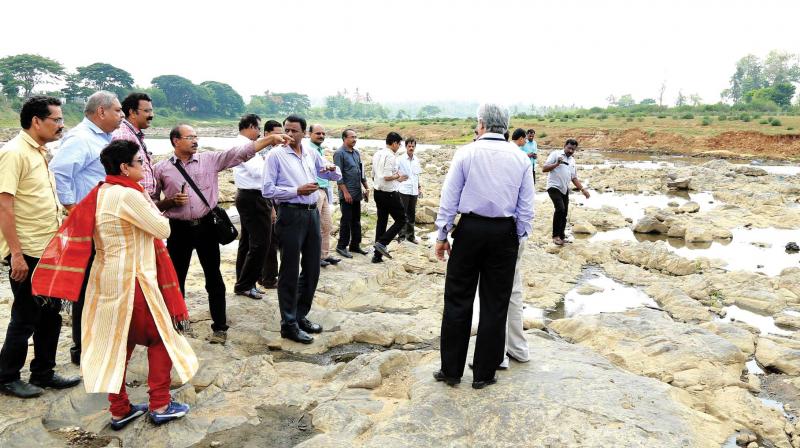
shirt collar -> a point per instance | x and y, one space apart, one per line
288 149
175 158
30 141
315 146
96 129
490 135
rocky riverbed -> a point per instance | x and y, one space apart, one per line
638 335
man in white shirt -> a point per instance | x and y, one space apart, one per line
386 178
409 190
254 213
560 168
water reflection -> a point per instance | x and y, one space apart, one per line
597 293
633 205
766 324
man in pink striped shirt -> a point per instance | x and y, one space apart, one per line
138 110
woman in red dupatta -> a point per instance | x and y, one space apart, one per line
132 296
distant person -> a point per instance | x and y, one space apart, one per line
561 169
132 296
290 180
490 185
138 110
77 170
531 148
352 189
29 217
254 213
410 189
386 178
269 274
190 219
316 135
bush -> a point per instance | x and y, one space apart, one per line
552 120
706 121
745 117
775 122
640 119
722 118
661 116
602 116
763 122
540 119
542 134
790 128
629 119
687 116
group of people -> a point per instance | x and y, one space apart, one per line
107 260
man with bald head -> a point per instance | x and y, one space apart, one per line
316 135
77 169
190 219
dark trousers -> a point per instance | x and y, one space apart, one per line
388 203
254 238
561 205
185 238
299 237
77 312
269 273
410 210
349 224
484 249
29 317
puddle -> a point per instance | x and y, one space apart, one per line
774 404
279 426
633 205
754 368
340 353
766 324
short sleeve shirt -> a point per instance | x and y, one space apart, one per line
562 175
24 174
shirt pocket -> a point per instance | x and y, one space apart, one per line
206 180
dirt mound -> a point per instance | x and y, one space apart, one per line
787 145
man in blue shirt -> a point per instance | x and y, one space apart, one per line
530 149
77 169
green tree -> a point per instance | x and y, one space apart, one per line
227 101
98 76
401 115
185 96
780 94
626 100
28 71
428 111
647 101
281 104
749 75
781 67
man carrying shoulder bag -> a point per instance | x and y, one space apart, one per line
190 197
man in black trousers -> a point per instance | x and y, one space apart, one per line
386 178
490 184
348 159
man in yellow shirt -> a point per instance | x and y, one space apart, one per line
29 217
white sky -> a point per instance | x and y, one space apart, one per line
542 52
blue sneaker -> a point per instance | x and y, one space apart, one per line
137 410
174 411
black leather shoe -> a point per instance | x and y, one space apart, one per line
484 383
439 376
344 252
21 389
333 260
381 249
358 250
297 335
57 382
308 326
323 263
377 260
75 356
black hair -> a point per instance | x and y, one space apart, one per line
270 125
36 106
393 137
117 153
344 133
531 131
505 135
518 133
131 102
571 141
249 121
175 133
411 140
296 119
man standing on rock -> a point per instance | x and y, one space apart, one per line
531 148
490 185
190 219
290 180
561 169
410 189
316 135
348 159
77 169
29 217
386 178
138 110
269 274
254 213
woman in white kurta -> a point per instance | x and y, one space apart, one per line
124 306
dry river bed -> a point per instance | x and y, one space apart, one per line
671 321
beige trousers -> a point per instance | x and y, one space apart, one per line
324 222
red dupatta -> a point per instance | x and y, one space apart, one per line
63 265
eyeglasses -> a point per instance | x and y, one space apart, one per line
140 161
147 111
191 138
55 120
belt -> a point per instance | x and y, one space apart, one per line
491 218
250 190
300 206
191 222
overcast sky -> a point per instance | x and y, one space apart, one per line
542 52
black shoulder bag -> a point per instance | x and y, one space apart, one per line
223 227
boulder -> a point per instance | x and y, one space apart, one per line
781 354
679 184
689 207
584 227
650 224
698 234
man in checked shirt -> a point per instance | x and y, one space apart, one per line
138 110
